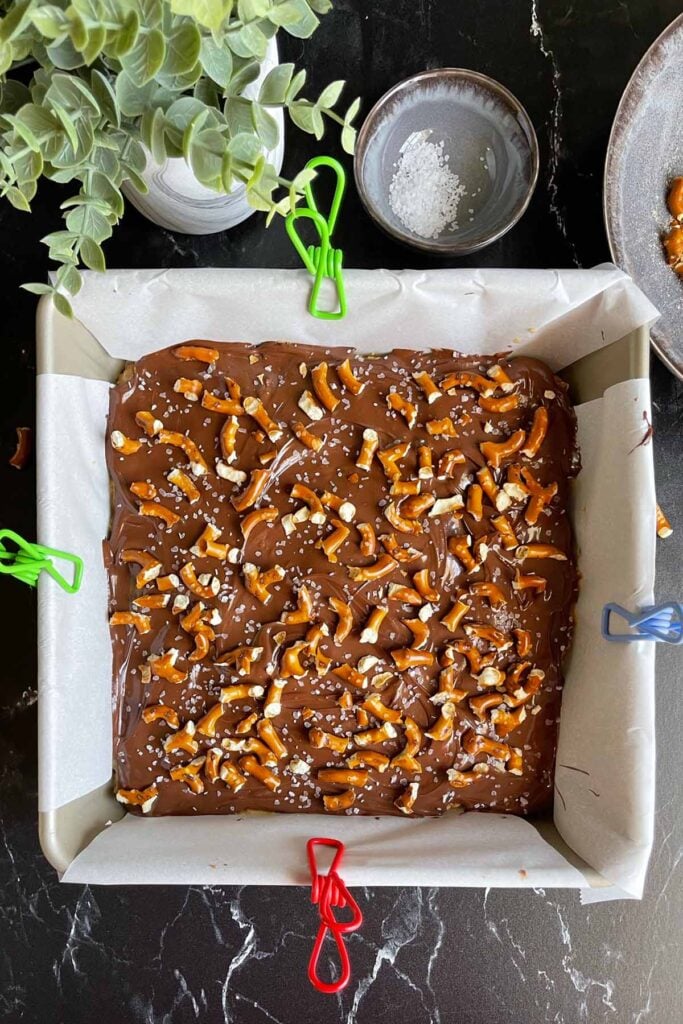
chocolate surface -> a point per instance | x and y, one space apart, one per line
278 374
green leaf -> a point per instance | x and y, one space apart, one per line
295 16
68 277
238 115
23 131
78 31
265 125
133 99
249 10
38 288
273 91
302 114
89 220
330 94
206 166
206 91
101 188
352 111
62 305
348 139
64 55
95 45
240 79
28 167
146 57
296 86
50 20
92 255
14 21
216 60
136 181
69 128
226 172
190 132
320 6
104 94
38 120
60 242
18 199
13 95
248 41
210 13
245 147
127 34
72 93
182 49
6 57
157 143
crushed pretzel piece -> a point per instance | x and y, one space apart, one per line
228 439
460 547
408 410
197 462
442 730
142 623
452 619
231 776
334 540
257 583
664 529
495 452
368 448
429 388
22 452
255 408
473 743
253 519
382 567
351 676
345 619
151 566
308 439
163 666
252 767
191 389
124 445
527 551
368 759
384 732
149 423
254 490
348 379
465 379
344 508
368 539
304 608
322 389
444 427
370 634
207 724
163 713
407 657
539 429
272 738
197 353
404 594
223 406
400 522
183 740
240 691
339 801
206 590
142 798
329 740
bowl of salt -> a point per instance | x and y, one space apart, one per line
446 161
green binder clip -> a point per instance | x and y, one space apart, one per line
28 561
322 261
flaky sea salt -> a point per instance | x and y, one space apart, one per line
424 193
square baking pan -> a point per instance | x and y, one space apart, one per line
66 347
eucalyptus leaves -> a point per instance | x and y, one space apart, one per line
112 77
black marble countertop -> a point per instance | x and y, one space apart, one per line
71 954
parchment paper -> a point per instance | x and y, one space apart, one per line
604 808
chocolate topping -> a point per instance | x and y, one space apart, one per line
487 741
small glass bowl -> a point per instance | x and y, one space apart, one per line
487 136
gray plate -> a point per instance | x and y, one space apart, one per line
645 151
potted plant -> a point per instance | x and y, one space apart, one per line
99 93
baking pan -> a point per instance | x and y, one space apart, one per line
66 347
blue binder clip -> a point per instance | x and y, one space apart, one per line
663 623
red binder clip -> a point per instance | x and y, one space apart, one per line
329 891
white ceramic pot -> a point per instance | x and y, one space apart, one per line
177 201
